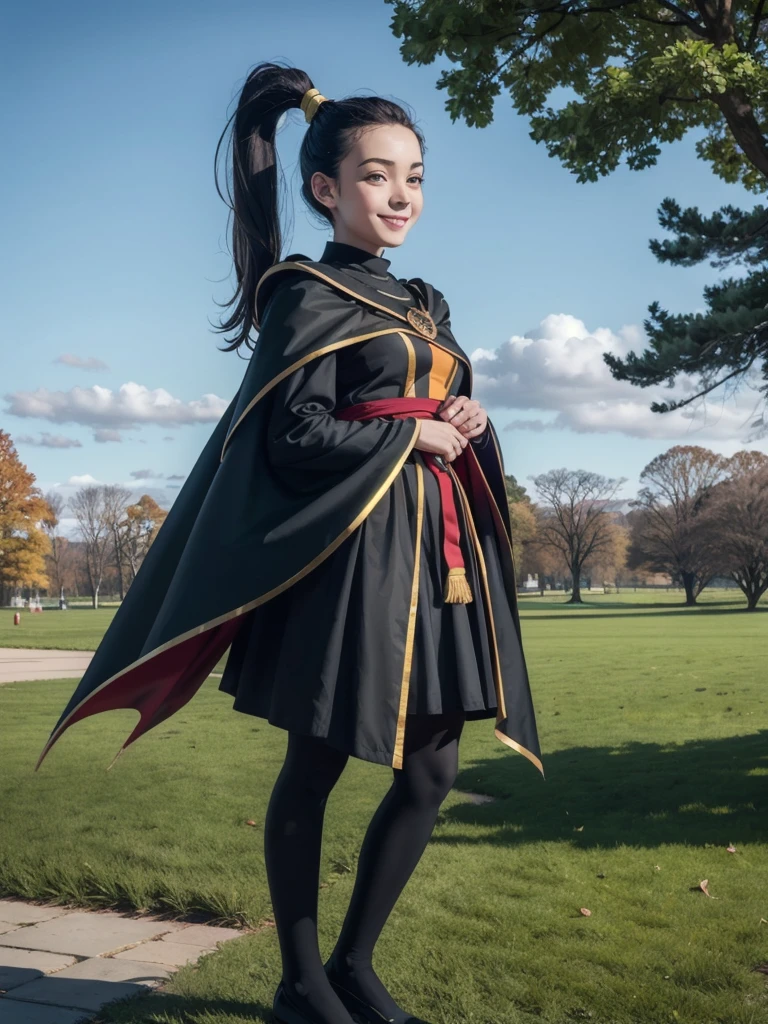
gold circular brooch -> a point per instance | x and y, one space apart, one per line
422 322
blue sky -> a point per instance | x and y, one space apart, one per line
113 249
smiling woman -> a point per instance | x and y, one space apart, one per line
345 533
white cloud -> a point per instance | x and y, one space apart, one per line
558 368
132 405
48 440
79 481
78 363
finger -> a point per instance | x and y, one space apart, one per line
456 406
469 409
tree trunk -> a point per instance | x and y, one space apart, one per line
689 583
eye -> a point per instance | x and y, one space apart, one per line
378 174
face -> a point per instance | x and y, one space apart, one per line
379 178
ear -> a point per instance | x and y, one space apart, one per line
323 189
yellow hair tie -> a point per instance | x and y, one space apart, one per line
311 100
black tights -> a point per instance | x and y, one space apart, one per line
394 842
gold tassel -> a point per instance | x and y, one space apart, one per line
457 588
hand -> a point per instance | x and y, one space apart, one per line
466 414
440 439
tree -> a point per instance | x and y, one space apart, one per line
139 529
677 484
642 75
515 491
23 544
730 341
116 500
606 565
90 508
523 519
60 559
574 517
736 524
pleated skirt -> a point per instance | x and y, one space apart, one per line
320 645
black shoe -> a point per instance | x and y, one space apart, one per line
285 1011
361 1011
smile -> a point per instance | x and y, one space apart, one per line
394 222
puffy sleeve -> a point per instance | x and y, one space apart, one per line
306 442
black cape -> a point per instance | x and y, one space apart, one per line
237 535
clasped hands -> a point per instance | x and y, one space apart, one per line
461 419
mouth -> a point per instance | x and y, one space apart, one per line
394 222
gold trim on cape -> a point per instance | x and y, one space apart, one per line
501 711
297 265
221 619
397 757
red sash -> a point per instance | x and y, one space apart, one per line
457 589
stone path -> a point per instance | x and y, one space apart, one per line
21 663
59 966
18 664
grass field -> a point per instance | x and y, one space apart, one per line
653 770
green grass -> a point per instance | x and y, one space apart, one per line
653 768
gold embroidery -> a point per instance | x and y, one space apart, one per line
501 712
422 321
397 759
257 601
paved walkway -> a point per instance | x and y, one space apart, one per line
59 966
19 663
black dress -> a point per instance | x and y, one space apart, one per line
311 546
450 667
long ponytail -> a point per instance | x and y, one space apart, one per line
252 186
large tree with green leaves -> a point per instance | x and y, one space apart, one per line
643 73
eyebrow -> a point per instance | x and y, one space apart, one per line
391 163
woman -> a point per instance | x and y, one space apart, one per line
345 533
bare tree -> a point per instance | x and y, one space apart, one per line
735 524
89 508
677 485
574 519
60 565
116 499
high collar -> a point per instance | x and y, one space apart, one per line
341 252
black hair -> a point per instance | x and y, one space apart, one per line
252 195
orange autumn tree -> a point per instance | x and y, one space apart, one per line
23 542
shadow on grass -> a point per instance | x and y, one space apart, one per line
641 611
640 794
166 1007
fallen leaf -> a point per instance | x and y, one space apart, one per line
703 887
